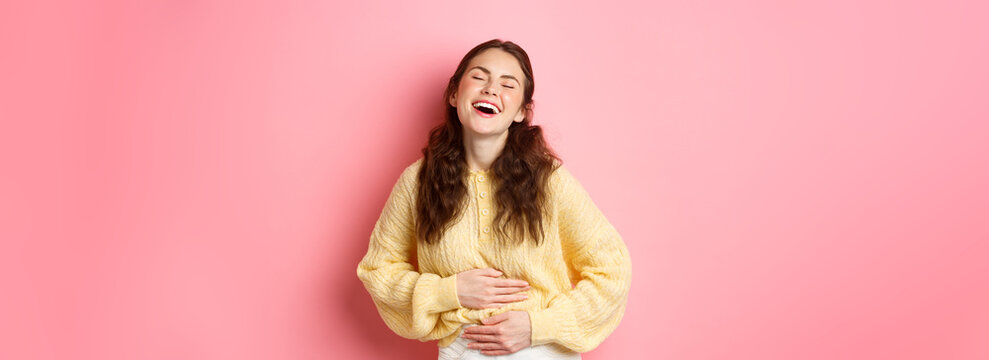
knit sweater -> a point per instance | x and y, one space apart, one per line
579 275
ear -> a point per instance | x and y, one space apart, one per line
452 100
525 112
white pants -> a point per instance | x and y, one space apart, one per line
458 351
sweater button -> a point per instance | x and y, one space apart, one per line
484 194
484 212
486 229
480 178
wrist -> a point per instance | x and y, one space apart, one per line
540 327
447 294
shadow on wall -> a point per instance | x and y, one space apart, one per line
391 157
382 343
359 314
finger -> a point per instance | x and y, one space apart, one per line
491 272
478 329
507 290
505 299
481 337
486 346
495 352
510 283
495 319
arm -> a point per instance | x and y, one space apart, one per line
409 302
581 318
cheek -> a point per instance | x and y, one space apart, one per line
464 85
511 102
465 90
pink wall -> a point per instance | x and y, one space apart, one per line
198 180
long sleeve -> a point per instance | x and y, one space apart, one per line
409 302
582 317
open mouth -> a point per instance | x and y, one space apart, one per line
486 108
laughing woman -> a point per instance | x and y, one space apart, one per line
487 242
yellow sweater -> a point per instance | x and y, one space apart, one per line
579 276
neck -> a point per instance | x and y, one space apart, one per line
481 151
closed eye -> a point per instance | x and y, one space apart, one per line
508 86
477 77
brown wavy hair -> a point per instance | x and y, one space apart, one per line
520 173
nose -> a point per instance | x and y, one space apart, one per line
490 90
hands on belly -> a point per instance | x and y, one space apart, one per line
500 334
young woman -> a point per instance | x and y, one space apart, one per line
487 242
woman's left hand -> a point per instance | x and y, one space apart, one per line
501 334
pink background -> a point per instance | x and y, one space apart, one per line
198 179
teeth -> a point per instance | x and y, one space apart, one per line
489 106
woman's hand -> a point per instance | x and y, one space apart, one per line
482 289
501 334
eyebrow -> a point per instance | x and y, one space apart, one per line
486 71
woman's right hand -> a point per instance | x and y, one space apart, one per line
482 289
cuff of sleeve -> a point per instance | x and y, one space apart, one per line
447 294
543 327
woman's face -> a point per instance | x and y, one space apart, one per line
489 97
